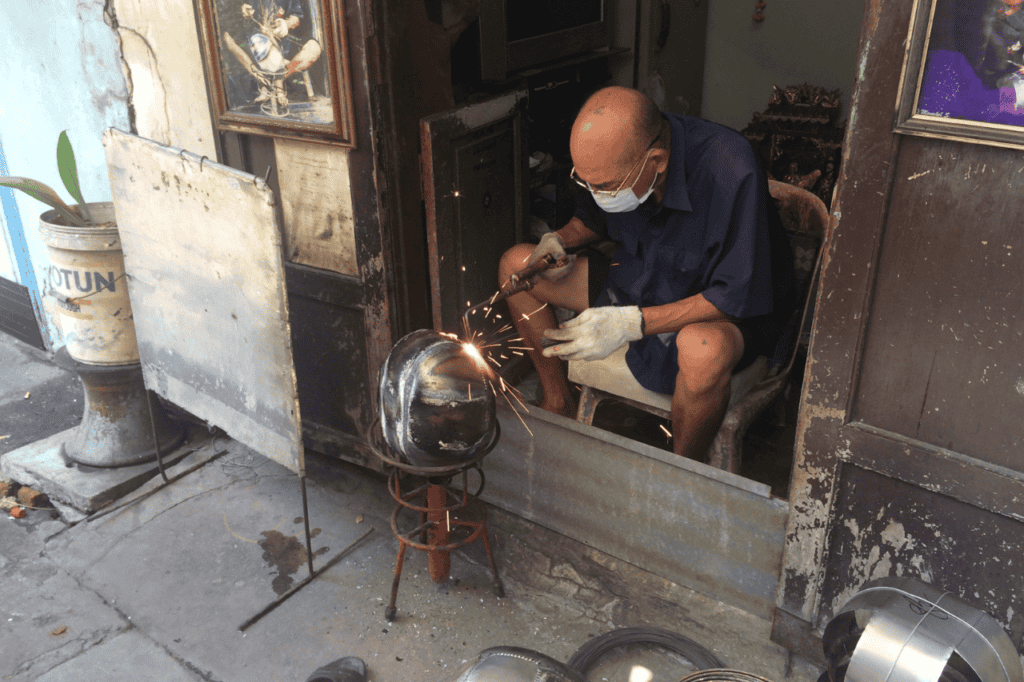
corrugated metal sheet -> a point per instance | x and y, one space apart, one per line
202 251
706 529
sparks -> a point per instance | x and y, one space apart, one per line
527 316
517 395
473 352
513 407
667 432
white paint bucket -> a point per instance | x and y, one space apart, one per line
87 283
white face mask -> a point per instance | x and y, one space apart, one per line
624 201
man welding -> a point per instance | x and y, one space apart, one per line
700 283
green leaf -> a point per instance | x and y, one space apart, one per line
45 194
69 171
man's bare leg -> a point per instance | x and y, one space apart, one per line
707 354
531 317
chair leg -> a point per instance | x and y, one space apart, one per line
589 400
726 451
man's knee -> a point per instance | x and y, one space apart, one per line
707 353
513 260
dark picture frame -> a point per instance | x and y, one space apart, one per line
278 67
963 72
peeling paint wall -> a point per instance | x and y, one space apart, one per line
163 68
60 72
908 455
890 528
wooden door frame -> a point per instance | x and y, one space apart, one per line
827 395
829 435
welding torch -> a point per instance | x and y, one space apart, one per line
522 280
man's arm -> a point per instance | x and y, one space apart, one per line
575 233
672 317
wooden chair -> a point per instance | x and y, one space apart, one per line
753 389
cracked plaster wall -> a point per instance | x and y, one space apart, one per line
163 70
83 67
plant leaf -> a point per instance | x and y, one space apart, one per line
45 194
69 171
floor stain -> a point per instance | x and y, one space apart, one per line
287 555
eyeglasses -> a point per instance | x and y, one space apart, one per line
614 192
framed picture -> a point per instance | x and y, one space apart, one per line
963 72
278 67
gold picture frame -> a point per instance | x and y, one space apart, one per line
278 67
951 86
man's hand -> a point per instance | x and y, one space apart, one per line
553 244
596 333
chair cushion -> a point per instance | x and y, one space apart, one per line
612 375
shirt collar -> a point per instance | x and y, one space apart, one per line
676 195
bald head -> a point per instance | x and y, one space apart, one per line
612 130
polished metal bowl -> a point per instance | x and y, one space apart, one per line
436 407
516 664
902 630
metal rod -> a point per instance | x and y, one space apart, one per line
391 610
499 589
277 602
111 510
156 441
305 520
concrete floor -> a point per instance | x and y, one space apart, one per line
157 590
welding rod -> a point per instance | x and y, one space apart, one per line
531 271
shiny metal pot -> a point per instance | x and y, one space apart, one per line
436 408
903 630
515 664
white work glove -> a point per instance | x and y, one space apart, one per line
596 333
553 244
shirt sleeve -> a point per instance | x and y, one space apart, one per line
739 279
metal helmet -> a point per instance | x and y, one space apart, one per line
436 408
514 664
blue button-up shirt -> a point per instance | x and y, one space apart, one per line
710 235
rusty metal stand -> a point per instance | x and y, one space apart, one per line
441 508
